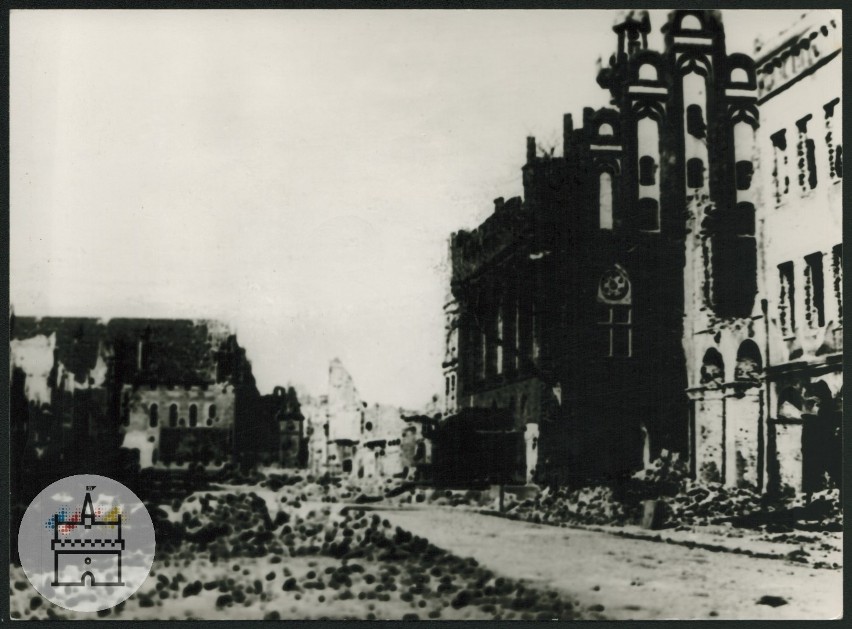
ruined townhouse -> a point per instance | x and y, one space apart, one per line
348 437
110 395
673 280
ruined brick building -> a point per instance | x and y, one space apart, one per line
622 305
104 396
766 377
349 437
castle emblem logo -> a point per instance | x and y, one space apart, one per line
86 543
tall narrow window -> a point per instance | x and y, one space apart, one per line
153 415
806 153
615 318
837 268
484 355
695 121
193 415
211 411
534 327
694 173
814 291
499 344
615 323
787 299
605 201
173 415
647 171
835 150
517 345
745 172
779 175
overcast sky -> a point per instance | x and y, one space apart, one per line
296 173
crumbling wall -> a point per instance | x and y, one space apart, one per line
710 437
743 415
34 357
788 455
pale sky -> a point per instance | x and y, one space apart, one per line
295 173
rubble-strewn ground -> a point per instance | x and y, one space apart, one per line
259 552
624 578
280 544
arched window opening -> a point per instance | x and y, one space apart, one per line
695 121
712 368
690 22
211 411
153 415
749 362
739 75
647 171
647 72
745 172
695 173
193 415
173 415
605 201
605 129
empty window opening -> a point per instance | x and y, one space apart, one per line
743 221
745 172
837 268
787 298
647 171
605 129
695 173
605 201
690 22
211 411
739 75
153 414
814 291
647 72
173 415
695 121
749 362
712 368
790 404
499 344
193 415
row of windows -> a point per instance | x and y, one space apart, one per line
806 154
175 421
748 368
501 341
814 291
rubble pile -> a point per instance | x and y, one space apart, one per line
712 503
230 557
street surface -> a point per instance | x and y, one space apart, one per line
631 578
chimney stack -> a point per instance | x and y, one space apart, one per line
530 149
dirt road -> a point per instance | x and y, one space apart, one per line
630 578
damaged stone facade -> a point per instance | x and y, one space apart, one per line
766 377
122 394
348 437
666 283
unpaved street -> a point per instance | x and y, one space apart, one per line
629 578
